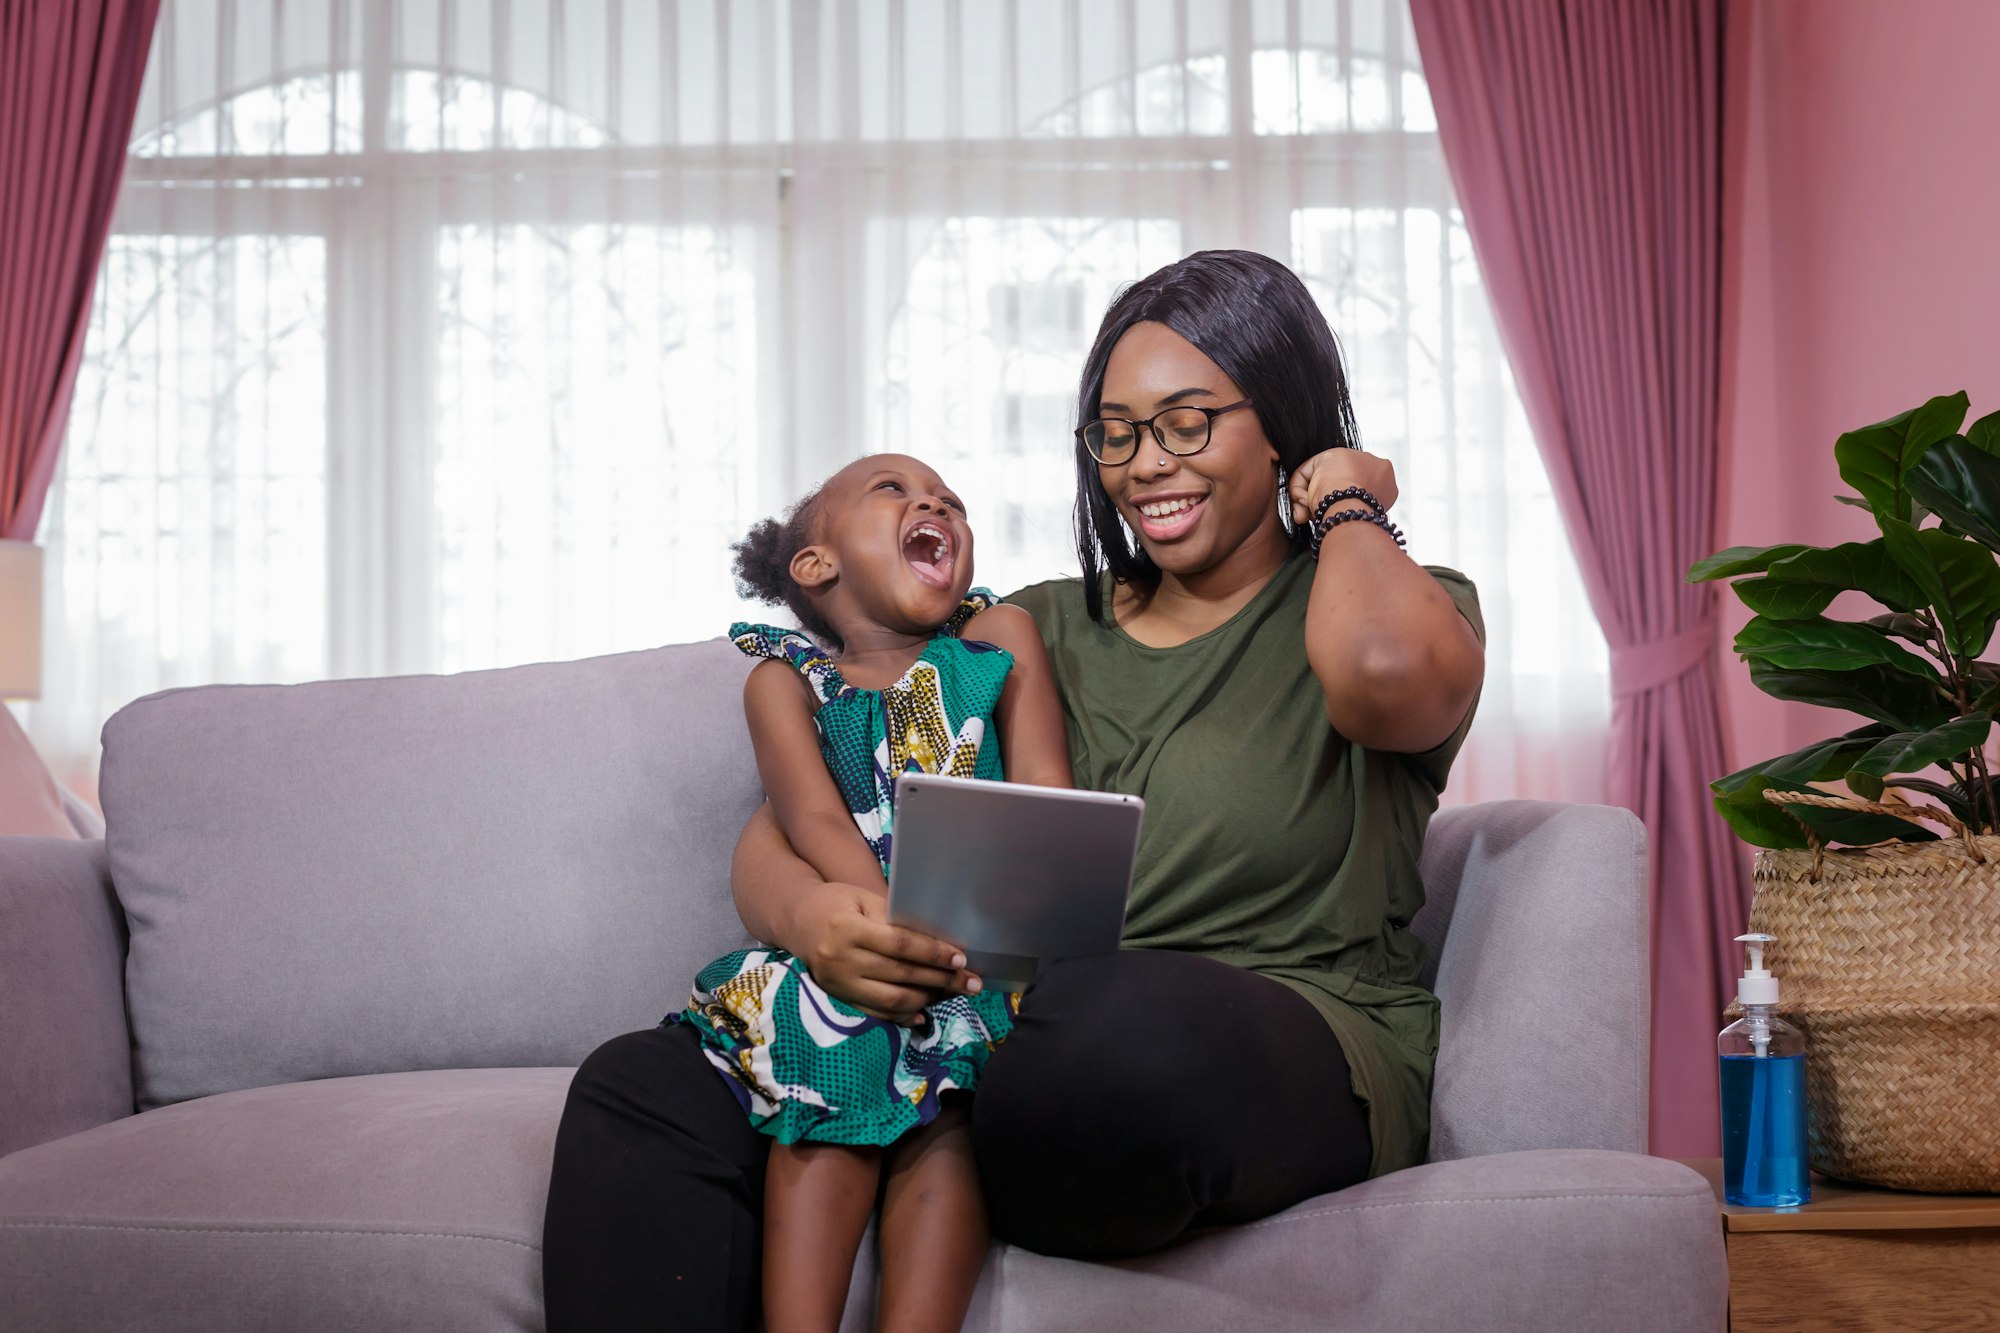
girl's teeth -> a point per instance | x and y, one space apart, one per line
941 542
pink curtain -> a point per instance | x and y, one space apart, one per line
1584 139
69 83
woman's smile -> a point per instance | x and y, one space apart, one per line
1168 516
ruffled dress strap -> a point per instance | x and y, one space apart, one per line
790 646
979 599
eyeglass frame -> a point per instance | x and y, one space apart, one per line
1159 436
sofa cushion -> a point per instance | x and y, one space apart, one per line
414 1201
392 1201
430 872
1553 1240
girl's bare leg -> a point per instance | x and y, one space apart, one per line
932 1236
817 1198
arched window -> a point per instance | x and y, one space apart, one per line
456 333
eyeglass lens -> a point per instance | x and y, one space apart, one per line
1180 430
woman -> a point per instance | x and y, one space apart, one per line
1287 689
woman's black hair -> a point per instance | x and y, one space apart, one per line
764 564
1251 316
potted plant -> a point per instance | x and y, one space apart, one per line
1888 934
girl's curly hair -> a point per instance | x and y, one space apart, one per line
764 564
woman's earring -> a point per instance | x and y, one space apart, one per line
1284 502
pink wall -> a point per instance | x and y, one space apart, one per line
1861 266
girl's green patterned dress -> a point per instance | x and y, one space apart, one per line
804 1065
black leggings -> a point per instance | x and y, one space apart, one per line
1140 1097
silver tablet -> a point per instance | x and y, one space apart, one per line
1014 875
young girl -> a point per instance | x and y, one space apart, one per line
877 564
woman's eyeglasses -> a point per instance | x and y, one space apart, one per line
1181 431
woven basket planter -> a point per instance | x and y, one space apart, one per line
1890 962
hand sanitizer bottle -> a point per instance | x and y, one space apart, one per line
1763 1095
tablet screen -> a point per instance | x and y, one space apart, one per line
1014 875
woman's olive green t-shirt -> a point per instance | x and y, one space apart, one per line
1269 841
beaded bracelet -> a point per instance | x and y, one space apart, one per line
1322 526
1360 493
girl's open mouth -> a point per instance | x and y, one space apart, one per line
927 547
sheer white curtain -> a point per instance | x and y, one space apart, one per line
442 334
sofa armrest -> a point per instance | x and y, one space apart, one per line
1537 917
65 1050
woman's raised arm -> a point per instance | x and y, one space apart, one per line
1399 664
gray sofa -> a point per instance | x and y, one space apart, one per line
287 1049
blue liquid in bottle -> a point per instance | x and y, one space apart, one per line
1764 1159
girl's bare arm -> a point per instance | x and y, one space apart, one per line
808 804
842 931
833 914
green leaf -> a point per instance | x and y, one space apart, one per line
1821 761
1952 798
1854 500
1915 751
1756 826
1958 800
1826 645
1855 828
1984 434
1785 599
1805 584
1741 560
1961 485
1866 785
1978 792
1759 823
1960 577
1984 677
1877 692
1915 629
1876 460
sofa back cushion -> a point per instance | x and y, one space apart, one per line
431 872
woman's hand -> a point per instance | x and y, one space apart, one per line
1335 469
843 933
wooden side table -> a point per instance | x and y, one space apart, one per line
1860 1258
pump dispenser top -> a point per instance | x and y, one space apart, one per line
1757 985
